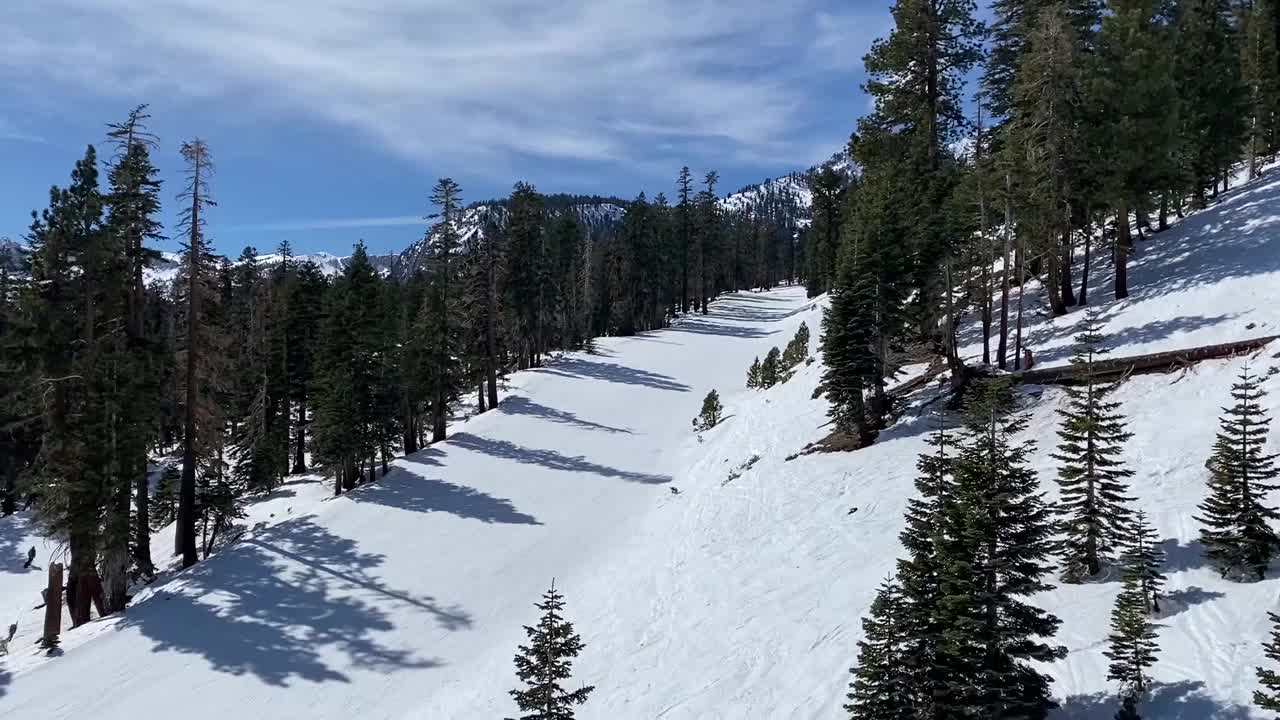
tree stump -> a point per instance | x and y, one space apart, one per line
53 608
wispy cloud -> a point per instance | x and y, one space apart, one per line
331 224
481 82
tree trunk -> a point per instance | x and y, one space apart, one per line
52 608
480 396
1122 250
1068 249
1162 222
1084 272
1053 283
299 446
1006 250
1019 261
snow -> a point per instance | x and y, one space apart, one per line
1212 278
738 597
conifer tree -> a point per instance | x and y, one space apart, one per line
824 234
546 663
1142 560
1268 698
919 572
201 344
1259 68
771 368
133 206
996 532
1091 475
1132 642
441 313
753 374
881 688
1237 534
709 416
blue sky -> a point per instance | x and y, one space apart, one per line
330 120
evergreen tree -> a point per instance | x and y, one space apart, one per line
1133 88
709 416
73 304
1268 698
823 246
919 573
1237 535
546 662
1132 642
1259 68
441 313
202 346
753 374
881 688
771 368
1091 475
1142 560
526 229
995 532
133 206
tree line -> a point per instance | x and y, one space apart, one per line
239 372
1093 123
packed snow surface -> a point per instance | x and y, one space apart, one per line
739 597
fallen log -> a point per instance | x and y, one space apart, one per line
1137 364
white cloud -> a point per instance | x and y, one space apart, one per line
480 82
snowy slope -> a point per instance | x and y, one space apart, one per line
1212 278
405 599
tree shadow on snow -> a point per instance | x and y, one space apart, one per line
708 327
549 459
1184 700
407 487
1175 601
575 367
5 679
520 405
281 605
1180 556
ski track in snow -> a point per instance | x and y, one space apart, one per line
737 600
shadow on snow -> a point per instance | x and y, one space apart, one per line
576 367
281 605
520 405
407 487
549 459
1183 700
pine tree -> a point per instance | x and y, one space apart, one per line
881 688
1259 68
1132 642
709 416
441 313
73 304
1268 698
995 532
1237 536
1142 559
546 662
1133 90
133 206
919 572
823 247
771 368
201 349
1092 477
753 374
